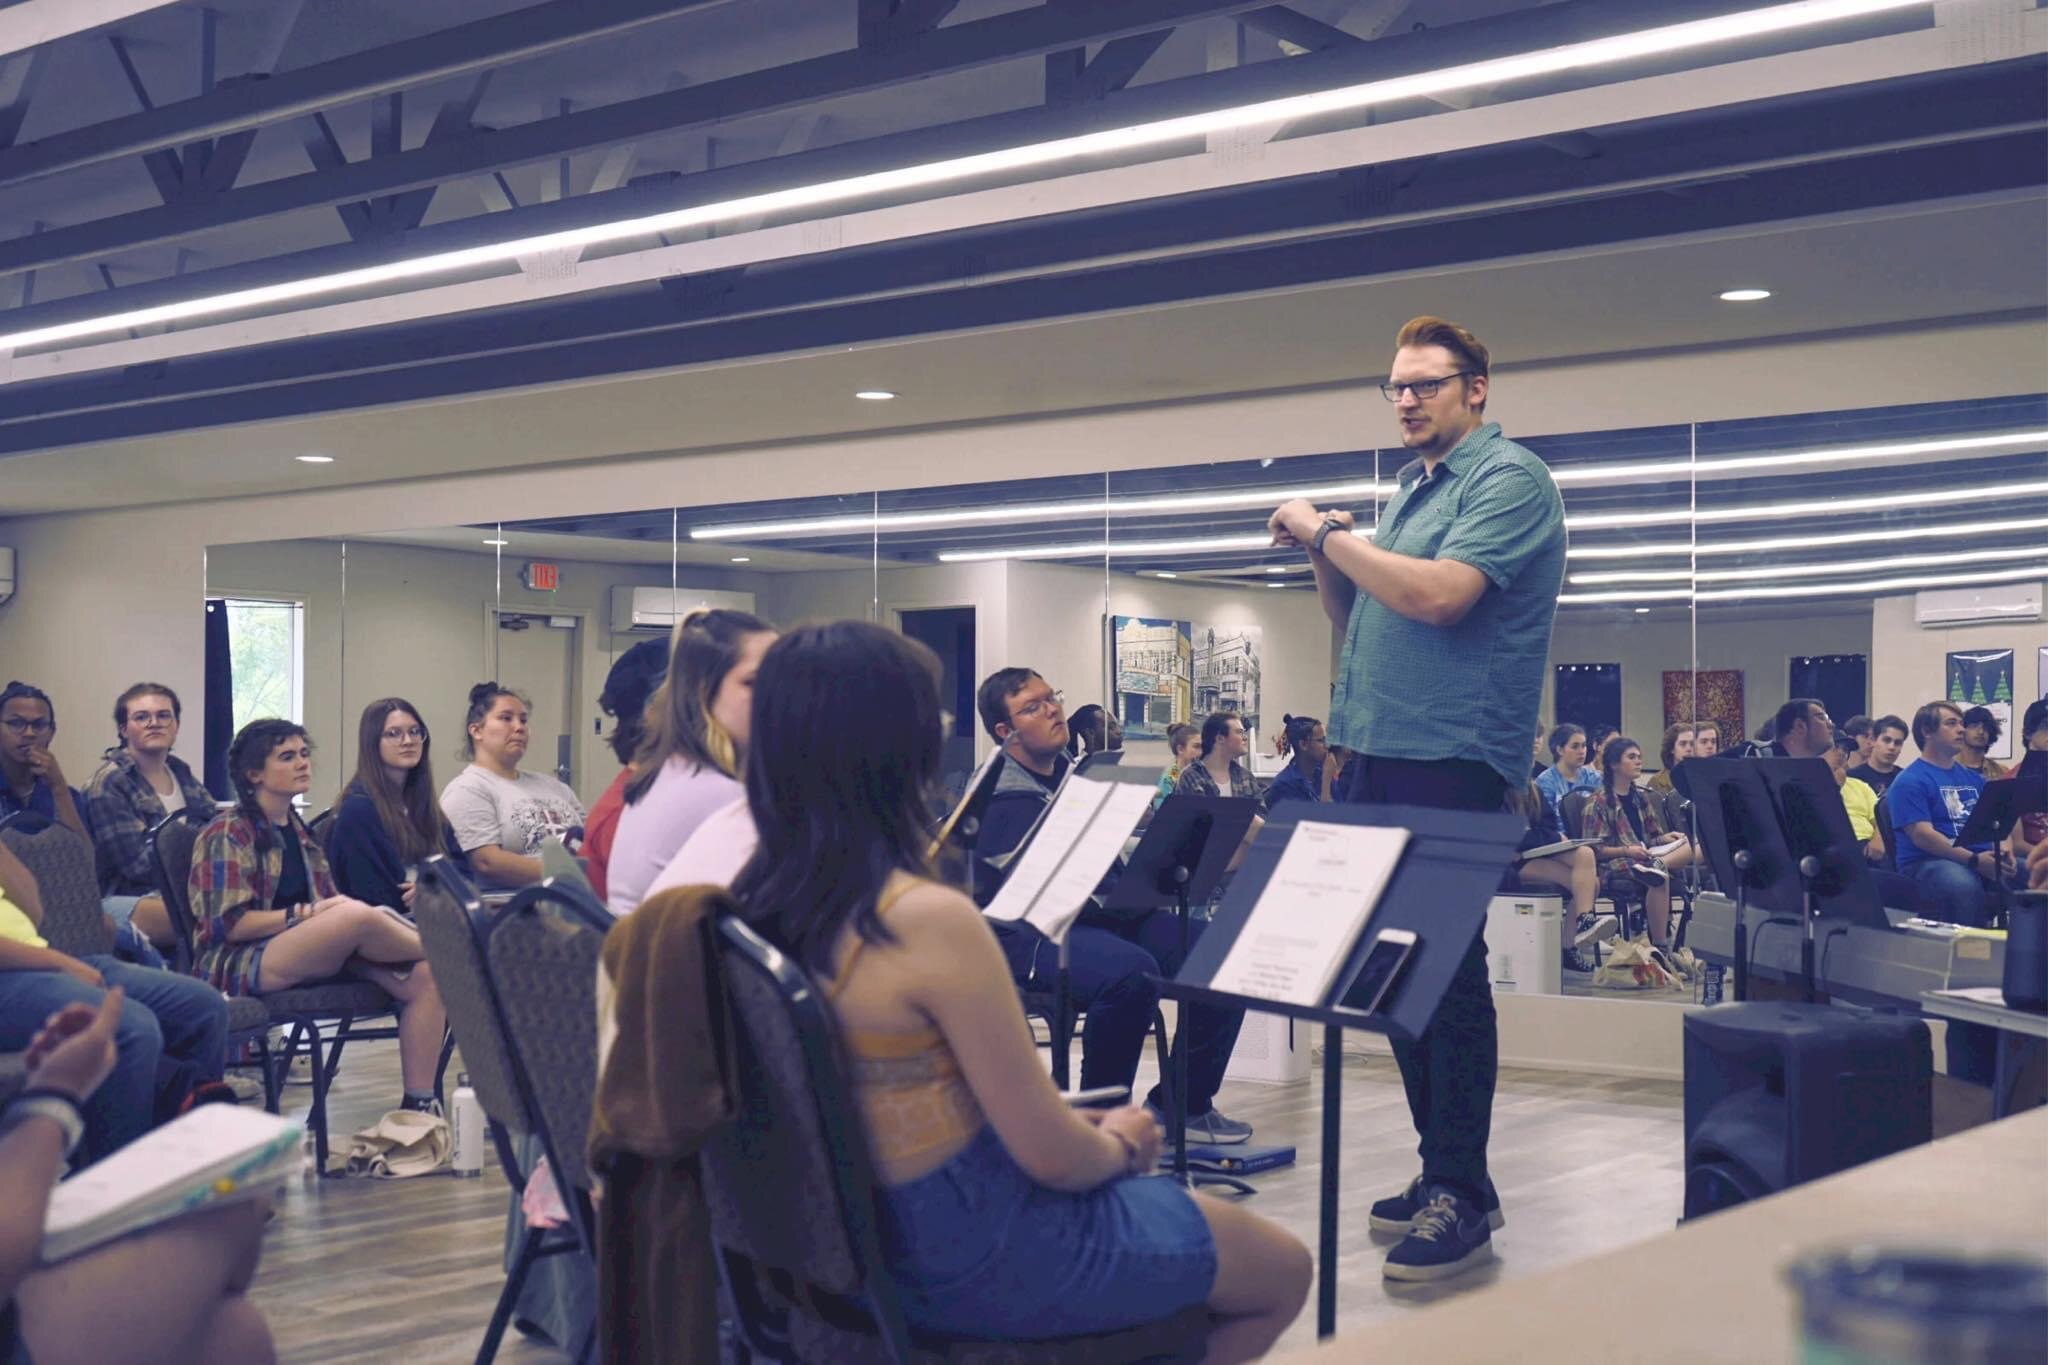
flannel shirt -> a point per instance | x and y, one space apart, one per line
1606 822
231 877
122 809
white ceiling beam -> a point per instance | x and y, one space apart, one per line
31 23
1891 57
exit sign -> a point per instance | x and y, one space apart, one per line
541 577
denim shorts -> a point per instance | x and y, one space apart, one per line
981 1251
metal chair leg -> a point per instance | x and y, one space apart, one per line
317 1118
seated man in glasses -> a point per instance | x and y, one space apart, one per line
30 778
1109 959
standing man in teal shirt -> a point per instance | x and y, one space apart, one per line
1446 614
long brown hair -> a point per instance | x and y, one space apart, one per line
409 811
702 650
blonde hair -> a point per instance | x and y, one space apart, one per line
702 649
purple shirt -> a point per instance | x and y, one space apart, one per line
655 827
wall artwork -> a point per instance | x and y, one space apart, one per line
1712 694
1153 661
1983 677
1227 671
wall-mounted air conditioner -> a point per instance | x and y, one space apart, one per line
659 608
1992 602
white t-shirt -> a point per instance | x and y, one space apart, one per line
651 829
174 801
518 816
714 855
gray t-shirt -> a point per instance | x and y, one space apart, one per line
484 808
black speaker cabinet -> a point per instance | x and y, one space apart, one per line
1777 1094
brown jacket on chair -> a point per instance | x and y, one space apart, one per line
661 1092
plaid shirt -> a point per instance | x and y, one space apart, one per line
1606 821
229 878
122 808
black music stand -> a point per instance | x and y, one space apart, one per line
1825 852
1998 812
1180 859
1110 771
1440 890
1738 828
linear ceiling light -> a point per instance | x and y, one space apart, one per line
952 517
1812 570
1626 47
1770 511
1883 535
1589 474
1881 585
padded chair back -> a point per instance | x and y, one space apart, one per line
1883 818
61 861
452 926
1571 812
541 952
788 1181
321 827
171 845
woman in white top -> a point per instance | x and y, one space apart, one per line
499 814
696 733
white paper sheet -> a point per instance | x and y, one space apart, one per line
1327 882
1078 800
1099 846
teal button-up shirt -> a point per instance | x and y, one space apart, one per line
1405 689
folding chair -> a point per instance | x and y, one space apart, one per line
792 1195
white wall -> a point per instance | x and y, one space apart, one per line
1761 647
1909 663
409 621
105 597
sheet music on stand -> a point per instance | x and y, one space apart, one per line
1313 907
1083 831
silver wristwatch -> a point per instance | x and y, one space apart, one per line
61 1109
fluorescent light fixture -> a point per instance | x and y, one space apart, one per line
741 559
1860 588
497 542
314 459
1164 573
1986 494
874 395
1276 585
1598 52
1883 535
1278 568
1164 504
1814 570
1775 461
1744 295
1642 611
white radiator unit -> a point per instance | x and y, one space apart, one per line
1992 602
660 608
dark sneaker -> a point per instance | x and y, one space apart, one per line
1594 929
1396 1213
1577 963
1218 1131
209 1092
1449 1236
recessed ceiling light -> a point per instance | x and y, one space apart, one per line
314 459
741 559
875 395
1744 295
488 541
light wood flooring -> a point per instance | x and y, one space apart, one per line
358 1270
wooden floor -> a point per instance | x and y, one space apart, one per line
357 1270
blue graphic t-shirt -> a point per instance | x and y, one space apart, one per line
1943 797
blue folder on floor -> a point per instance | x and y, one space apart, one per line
1241 1160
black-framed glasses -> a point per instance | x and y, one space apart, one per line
23 726
1422 388
409 732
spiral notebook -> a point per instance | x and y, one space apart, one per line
216 1154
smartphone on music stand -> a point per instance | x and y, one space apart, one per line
1391 949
